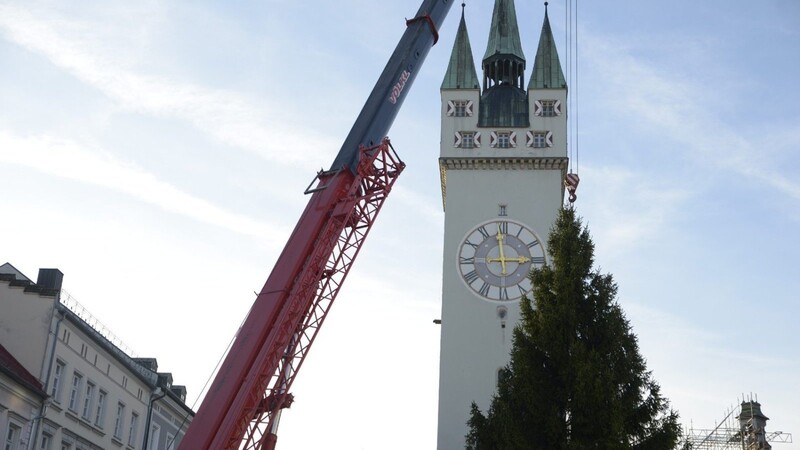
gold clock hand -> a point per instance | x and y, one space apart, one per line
519 259
502 254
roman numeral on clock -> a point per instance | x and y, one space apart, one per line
471 276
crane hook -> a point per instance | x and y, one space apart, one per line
571 183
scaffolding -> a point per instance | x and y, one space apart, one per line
743 428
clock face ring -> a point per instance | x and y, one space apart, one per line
496 257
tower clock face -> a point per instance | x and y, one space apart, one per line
495 259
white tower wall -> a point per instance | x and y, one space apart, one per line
521 184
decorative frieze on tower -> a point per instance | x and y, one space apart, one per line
503 159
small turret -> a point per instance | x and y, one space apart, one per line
547 72
752 424
461 70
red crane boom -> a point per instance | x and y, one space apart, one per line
243 405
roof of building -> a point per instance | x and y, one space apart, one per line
14 369
504 32
15 278
142 368
504 106
547 72
8 269
461 70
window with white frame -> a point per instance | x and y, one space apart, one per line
100 411
133 429
88 399
467 139
547 108
44 444
58 376
118 421
503 139
66 446
155 434
170 441
460 108
540 139
12 436
75 392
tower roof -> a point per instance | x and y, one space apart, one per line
461 70
547 72
504 33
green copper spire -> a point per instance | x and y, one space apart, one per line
504 33
461 70
504 103
547 72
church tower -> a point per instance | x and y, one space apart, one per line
503 160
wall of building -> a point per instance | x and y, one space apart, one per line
88 385
99 397
24 325
528 182
168 425
19 408
474 345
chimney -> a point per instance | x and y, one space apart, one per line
50 279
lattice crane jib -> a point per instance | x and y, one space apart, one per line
242 407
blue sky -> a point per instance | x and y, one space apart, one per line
156 152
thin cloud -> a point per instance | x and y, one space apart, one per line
632 209
67 159
683 113
228 117
428 207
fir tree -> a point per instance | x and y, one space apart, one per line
576 379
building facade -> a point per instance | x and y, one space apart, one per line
503 160
21 398
97 396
